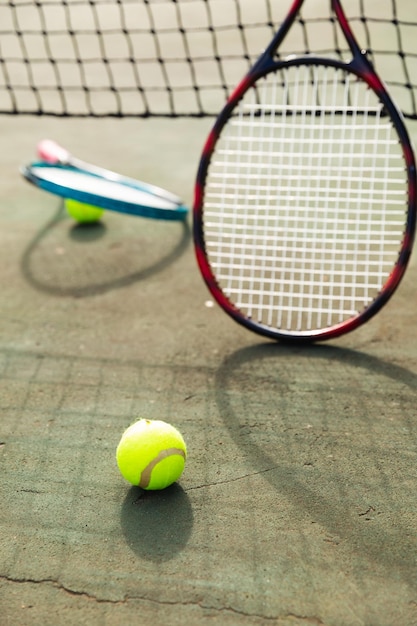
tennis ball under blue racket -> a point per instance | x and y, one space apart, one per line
83 213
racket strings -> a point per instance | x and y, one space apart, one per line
305 200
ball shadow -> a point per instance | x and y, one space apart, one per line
157 524
90 231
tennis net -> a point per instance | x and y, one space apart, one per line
139 58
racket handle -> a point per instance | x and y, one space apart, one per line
51 152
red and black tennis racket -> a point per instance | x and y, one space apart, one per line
305 201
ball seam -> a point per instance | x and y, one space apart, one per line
145 477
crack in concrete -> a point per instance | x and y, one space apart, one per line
59 586
233 480
309 620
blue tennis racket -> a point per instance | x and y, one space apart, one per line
60 173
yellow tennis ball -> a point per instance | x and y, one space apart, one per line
83 213
151 454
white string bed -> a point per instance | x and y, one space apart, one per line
306 198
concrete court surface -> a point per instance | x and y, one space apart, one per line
297 506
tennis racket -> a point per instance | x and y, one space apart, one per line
64 175
305 199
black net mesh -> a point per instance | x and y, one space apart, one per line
177 57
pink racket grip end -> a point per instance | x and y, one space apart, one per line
51 152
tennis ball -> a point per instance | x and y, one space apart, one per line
151 454
83 213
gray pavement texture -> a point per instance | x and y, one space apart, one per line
298 502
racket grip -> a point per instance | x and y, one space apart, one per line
51 152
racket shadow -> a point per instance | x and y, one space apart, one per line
323 426
148 265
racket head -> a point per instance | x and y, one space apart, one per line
85 186
303 229
51 152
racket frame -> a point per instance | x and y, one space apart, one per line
54 158
151 210
361 66
53 153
